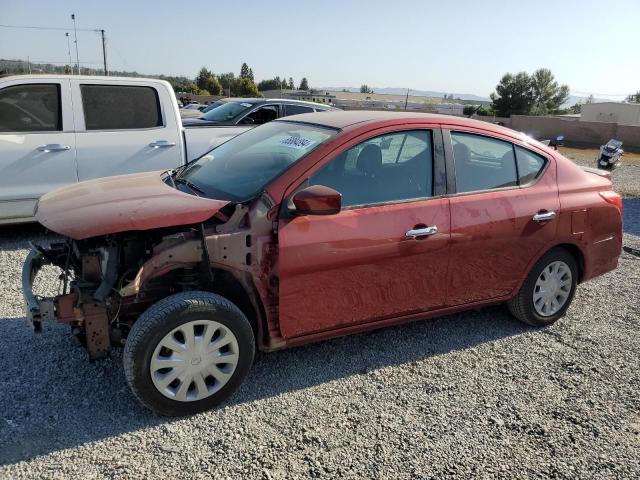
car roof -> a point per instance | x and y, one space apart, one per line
343 119
255 101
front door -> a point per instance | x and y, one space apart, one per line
384 255
37 143
502 189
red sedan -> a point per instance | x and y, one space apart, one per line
316 226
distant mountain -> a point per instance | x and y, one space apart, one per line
416 93
573 99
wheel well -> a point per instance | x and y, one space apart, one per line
577 254
228 286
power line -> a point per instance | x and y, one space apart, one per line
49 28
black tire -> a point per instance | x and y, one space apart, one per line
160 319
521 306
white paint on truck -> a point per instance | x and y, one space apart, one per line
60 129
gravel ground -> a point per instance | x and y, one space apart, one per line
475 394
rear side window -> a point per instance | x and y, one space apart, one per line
482 163
297 109
115 107
30 108
530 165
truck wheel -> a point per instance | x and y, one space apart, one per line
188 353
548 290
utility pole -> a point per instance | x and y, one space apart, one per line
406 100
29 64
104 53
66 34
75 34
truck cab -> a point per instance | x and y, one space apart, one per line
60 129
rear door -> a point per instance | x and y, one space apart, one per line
124 128
499 191
37 143
385 254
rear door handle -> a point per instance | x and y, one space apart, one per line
53 147
421 232
162 143
544 216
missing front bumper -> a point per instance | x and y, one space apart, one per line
38 309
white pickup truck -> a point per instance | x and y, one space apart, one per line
60 129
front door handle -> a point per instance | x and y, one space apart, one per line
544 216
53 147
162 143
421 232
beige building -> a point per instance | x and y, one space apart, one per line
611 112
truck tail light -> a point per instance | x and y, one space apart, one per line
613 198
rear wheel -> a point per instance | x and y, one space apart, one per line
548 290
188 353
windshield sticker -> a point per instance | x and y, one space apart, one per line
298 143
247 105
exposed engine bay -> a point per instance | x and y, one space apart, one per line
106 282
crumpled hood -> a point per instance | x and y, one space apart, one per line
141 201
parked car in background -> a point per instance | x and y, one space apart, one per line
191 110
249 112
311 227
61 129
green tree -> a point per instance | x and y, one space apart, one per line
244 71
209 82
250 75
67 70
548 96
291 86
513 95
365 89
272 84
246 87
283 83
634 97
469 110
304 84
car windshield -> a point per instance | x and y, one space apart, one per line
226 112
239 169
213 105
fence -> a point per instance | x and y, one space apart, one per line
576 131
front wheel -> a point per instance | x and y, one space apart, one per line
188 353
548 289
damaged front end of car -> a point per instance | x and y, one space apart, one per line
106 282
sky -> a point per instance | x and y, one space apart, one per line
456 46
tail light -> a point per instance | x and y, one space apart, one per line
613 198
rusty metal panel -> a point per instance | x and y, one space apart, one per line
96 325
65 307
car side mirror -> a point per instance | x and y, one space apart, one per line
317 200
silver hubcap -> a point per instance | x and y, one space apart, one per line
194 360
552 289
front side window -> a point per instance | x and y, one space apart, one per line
30 108
261 115
482 163
393 167
530 165
118 107
240 168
